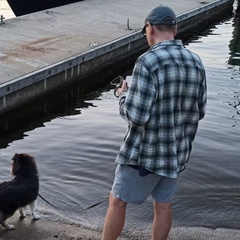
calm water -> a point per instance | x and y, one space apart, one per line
75 137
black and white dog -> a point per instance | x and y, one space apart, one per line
21 191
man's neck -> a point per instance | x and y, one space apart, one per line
163 36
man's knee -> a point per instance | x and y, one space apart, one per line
162 207
115 202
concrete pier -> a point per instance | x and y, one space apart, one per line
43 51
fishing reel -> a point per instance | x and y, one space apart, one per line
117 82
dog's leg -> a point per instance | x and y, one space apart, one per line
3 222
22 213
32 209
7 225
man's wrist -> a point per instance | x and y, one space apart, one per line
122 93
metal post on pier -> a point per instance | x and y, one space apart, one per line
2 19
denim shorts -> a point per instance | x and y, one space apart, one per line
130 187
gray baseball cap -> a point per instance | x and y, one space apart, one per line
161 15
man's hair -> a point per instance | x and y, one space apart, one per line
166 28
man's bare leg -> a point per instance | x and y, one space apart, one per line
162 220
115 219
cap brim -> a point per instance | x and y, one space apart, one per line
144 29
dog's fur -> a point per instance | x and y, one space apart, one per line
21 191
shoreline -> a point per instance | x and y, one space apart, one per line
44 229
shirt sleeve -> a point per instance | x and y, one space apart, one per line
136 106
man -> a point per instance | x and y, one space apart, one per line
165 101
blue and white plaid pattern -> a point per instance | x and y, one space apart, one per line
164 104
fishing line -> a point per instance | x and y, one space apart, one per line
91 206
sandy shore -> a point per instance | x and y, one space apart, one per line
27 229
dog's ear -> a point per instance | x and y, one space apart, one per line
15 156
14 164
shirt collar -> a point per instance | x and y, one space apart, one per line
177 42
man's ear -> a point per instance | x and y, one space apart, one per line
175 30
151 29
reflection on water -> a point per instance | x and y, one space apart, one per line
234 45
68 101
75 137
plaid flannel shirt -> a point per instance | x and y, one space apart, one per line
164 103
